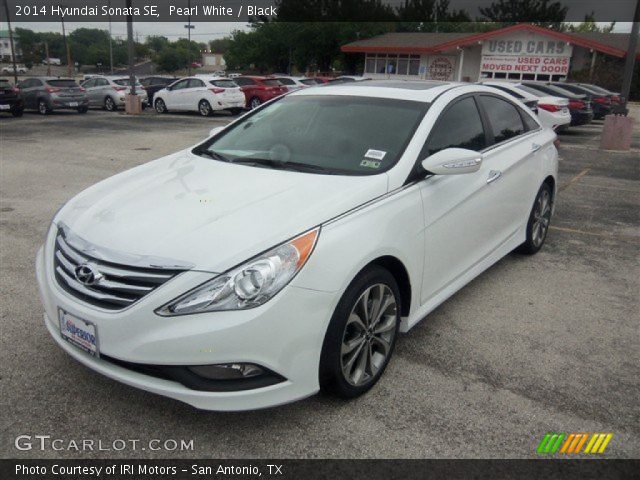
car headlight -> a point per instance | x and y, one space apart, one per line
250 284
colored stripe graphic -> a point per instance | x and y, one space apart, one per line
551 443
572 443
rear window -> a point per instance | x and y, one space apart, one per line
224 83
62 83
271 83
124 82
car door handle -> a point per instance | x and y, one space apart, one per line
535 147
494 175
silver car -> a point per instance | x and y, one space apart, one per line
52 93
109 92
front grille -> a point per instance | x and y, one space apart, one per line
118 287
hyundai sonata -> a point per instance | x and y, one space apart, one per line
284 254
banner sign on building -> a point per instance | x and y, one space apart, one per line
441 68
526 53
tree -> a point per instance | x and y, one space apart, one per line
157 43
220 45
589 25
172 58
546 13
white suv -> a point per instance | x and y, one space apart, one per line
285 253
200 94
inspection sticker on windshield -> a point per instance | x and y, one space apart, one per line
375 154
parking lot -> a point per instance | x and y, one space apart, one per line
538 344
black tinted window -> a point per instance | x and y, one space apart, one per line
62 83
195 83
504 118
224 83
271 83
244 81
529 122
459 126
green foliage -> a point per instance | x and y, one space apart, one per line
547 13
589 25
220 45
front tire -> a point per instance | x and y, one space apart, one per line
161 107
254 103
204 107
361 335
539 219
17 112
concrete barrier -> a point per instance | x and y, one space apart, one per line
616 134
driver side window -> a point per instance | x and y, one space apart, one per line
460 126
180 85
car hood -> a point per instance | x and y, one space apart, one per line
209 214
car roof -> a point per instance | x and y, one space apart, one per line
421 91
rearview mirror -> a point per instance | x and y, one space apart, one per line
453 161
215 131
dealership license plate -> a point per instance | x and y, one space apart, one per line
4 107
79 332
73 104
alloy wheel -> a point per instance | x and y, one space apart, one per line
541 218
109 104
160 106
255 102
368 335
42 108
204 108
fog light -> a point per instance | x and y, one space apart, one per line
227 371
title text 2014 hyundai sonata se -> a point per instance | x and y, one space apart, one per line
285 253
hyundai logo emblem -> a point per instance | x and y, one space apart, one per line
88 274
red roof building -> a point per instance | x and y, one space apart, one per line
518 52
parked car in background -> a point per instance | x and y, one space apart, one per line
200 94
52 61
615 97
339 219
45 94
10 98
553 112
579 105
292 83
348 78
20 69
258 90
601 103
109 92
155 83
233 75
310 81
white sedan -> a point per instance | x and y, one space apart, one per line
201 94
284 254
553 112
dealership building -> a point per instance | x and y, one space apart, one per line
518 52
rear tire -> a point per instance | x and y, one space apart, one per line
539 219
110 104
361 335
17 112
161 107
204 107
43 108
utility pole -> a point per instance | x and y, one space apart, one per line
46 52
110 43
631 57
132 73
13 48
189 27
66 46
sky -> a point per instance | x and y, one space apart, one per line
203 32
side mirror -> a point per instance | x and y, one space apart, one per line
453 161
215 131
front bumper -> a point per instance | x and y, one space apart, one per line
284 335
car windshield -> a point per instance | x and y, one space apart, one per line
62 83
224 83
330 134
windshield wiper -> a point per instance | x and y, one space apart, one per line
213 154
267 162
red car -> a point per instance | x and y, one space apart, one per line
258 90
